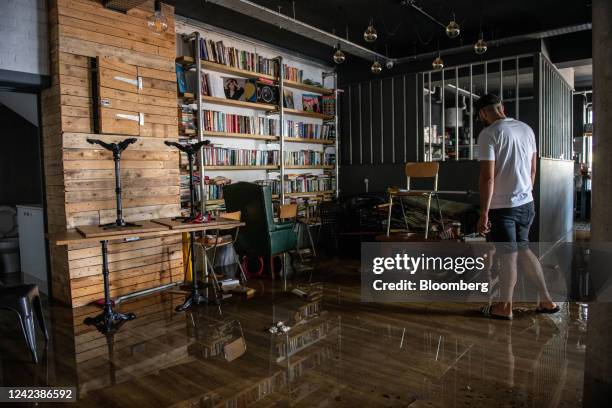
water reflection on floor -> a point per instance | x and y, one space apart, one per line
338 352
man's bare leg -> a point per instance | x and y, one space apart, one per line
530 264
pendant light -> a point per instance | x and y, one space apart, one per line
452 29
376 68
437 63
370 34
389 63
157 22
339 56
481 46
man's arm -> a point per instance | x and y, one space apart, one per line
486 183
534 169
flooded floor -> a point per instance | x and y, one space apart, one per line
337 352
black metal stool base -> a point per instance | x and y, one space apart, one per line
196 299
108 322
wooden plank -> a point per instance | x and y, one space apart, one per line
94 12
126 264
145 212
76 124
73 208
124 255
66 31
159 130
144 108
157 74
72 59
100 195
91 22
92 231
114 94
94 250
75 90
93 49
126 174
79 141
160 119
219 223
111 78
108 164
81 101
99 154
111 123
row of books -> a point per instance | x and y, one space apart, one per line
216 121
233 57
310 130
227 122
308 158
301 183
187 120
293 74
222 156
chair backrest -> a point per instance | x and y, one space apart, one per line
255 205
422 170
287 211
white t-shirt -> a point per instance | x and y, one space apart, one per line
511 144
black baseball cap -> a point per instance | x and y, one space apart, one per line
486 100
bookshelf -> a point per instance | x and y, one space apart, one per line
225 69
277 112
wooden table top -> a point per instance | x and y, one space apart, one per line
72 236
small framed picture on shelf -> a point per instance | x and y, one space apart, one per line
288 99
233 88
206 85
311 103
180 79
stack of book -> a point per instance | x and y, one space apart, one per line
227 122
216 51
308 158
214 187
308 183
293 74
220 156
187 120
329 104
309 130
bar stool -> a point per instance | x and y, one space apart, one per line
25 301
428 170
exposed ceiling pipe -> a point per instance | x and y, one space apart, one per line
295 26
496 43
412 3
298 27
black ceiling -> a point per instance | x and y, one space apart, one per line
402 29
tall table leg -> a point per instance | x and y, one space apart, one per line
195 297
109 320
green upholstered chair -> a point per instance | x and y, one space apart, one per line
261 236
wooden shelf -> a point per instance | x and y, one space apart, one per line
309 193
211 133
239 104
308 114
276 196
314 167
271 167
213 66
307 87
308 140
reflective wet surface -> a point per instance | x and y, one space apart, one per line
337 352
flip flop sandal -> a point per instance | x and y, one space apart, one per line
486 312
547 311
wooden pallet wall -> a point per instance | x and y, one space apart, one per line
79 177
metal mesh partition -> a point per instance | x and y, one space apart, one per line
555 107
447 123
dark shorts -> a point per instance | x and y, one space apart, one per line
511 224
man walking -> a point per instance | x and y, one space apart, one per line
507 153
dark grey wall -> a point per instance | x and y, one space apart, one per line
20 169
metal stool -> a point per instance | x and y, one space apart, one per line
25 301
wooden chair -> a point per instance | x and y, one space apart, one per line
217 242
423 170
